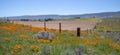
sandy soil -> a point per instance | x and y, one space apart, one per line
65 25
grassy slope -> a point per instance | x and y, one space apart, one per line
109 24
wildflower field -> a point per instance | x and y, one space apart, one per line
17 39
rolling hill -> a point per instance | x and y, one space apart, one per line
99 15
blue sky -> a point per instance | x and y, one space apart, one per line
60 7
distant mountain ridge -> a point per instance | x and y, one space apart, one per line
99 15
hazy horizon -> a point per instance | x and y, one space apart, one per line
57 7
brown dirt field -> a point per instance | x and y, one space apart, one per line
65 25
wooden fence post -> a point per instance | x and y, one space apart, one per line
78 32
87 31
90 31
45 25
59 27
30 27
